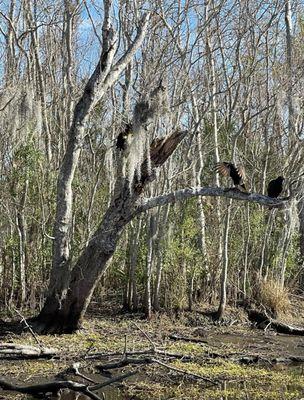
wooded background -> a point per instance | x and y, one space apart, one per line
231 76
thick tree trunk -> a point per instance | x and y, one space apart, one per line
104 76
265 240
191 291
288 232
65 316
214 107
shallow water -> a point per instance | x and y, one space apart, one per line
228 390
261 343
111 393
221 392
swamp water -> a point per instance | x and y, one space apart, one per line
228 390
243 382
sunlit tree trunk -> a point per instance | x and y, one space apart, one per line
246 259
22 233
212 90
151 236
162 221
104 76
224 274
301 238
134 246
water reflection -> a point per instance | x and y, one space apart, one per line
68 395
246 389
110 393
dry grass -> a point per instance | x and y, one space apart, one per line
272 296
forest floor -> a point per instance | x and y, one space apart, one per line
241 361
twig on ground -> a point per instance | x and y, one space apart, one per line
185 372
113 380
75 370
23 320
187 339
146 336
88 350
123 363
124 355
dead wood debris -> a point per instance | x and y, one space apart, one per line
27 326
187 339
264 321
50 387
55 386
164 353
20 351
149 357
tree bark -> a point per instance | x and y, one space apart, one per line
300 207
103 77
132 289
235 194
22 234
162 225
66 316
223 288
214 107
149 265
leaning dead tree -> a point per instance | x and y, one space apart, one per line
104 76
66 304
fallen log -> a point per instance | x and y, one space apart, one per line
190 374
54 387
12 350
285 328
258 359
187 339
150 360
264 321
124 362
51 387
164 353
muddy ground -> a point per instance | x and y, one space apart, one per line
241 361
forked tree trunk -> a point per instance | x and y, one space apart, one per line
103 77
66 316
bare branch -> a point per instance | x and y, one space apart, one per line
127 57
112 380
183 194
52 387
